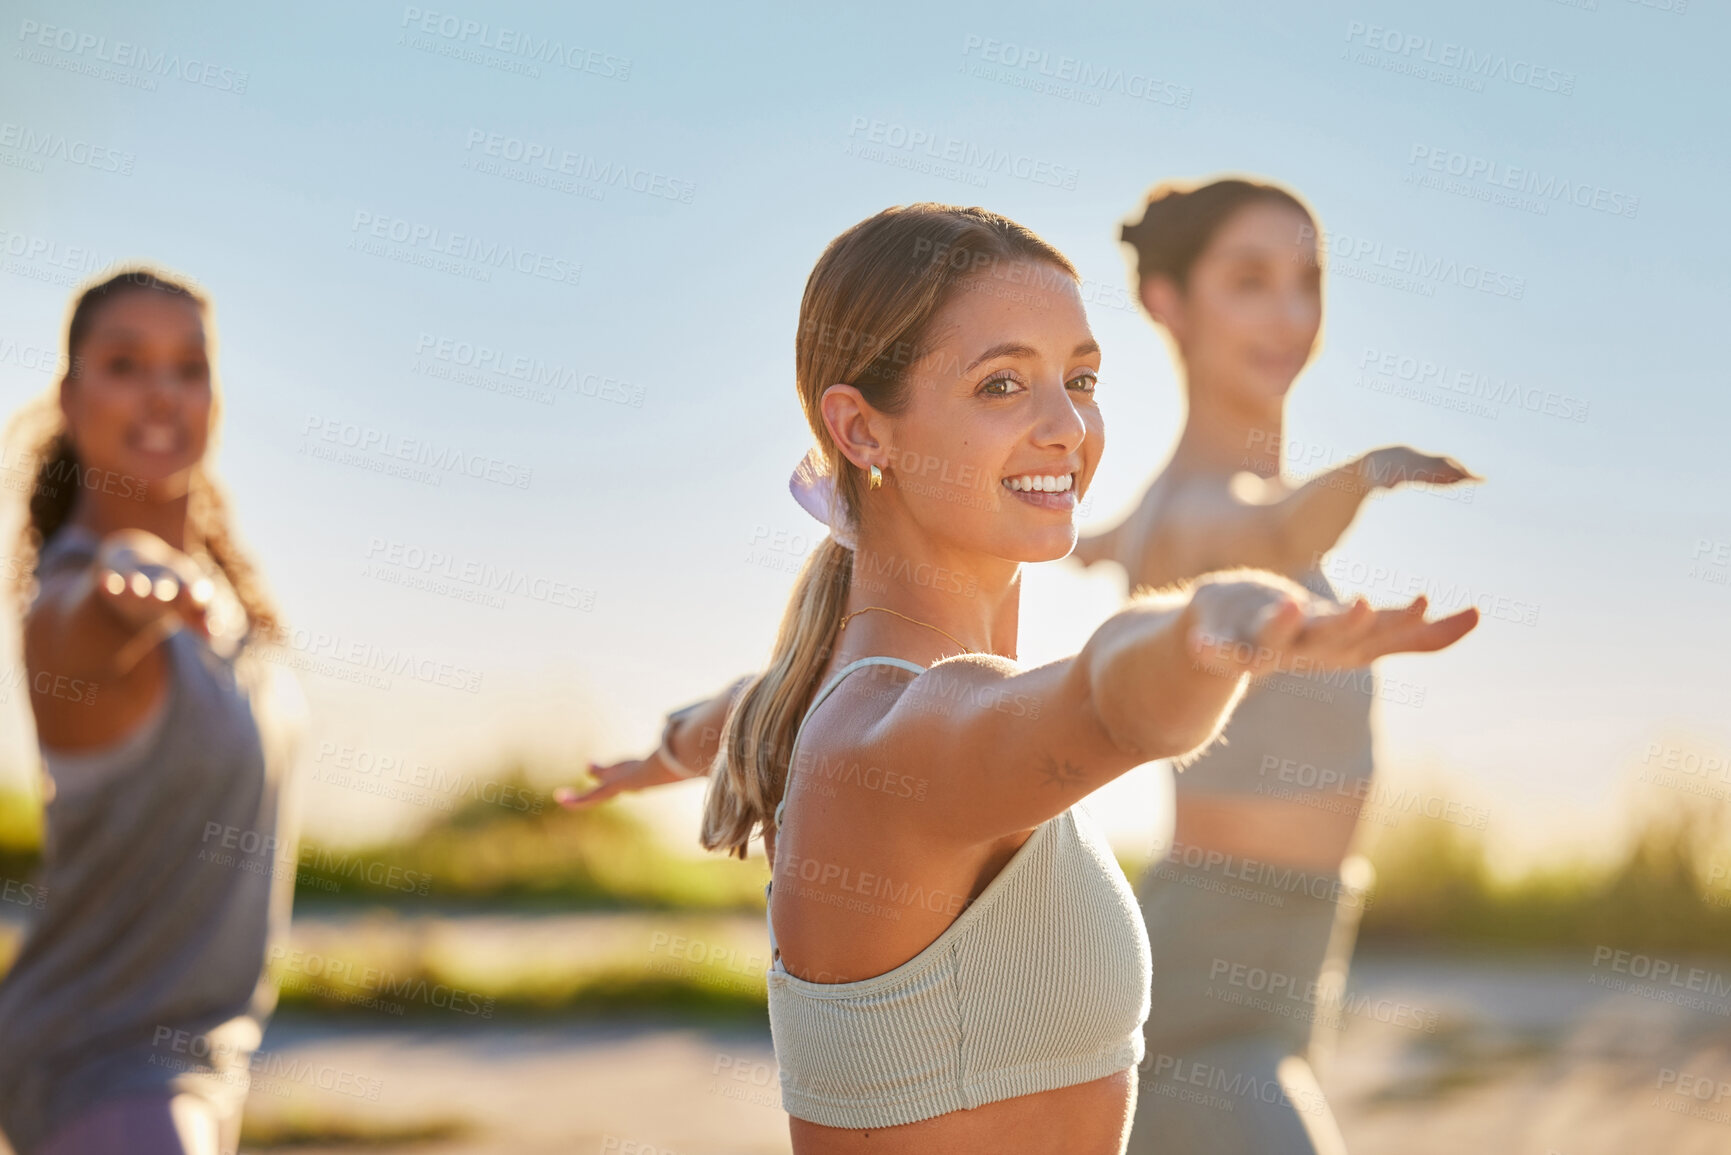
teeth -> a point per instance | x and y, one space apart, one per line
156 439
1041 482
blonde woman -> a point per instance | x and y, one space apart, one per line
1253 912
958 963
130 1015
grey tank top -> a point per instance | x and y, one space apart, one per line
1042 982
1303 736
168 864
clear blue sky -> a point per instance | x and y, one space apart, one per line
688 167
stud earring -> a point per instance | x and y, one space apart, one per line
877 477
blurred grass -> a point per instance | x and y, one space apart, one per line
305 1127
1666 891
484 853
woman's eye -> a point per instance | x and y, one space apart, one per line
991 386
194 371
121 366
1084 382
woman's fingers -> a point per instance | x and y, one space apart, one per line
609 780
1426 637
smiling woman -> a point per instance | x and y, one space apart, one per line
135 1004
963 967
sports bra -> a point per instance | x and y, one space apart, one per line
1041 982
1303 737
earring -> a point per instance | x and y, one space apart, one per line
877 477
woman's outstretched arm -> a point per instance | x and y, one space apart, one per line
693 739
100 625
1005 749
1253 522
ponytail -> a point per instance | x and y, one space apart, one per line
750 777
864 320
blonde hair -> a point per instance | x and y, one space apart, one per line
55 486
864 320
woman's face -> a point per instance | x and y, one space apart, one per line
1249 318
138 402
1002 432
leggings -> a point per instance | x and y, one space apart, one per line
148 1125
1248 979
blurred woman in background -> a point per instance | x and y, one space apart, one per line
132 1010
1260 878
957 962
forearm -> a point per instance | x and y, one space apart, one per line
695 736
1311 521
1154 697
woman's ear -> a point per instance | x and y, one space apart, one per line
1160 296
852 423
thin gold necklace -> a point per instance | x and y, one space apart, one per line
905 618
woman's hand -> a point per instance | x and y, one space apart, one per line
148 583
1263 623
1393 464
620 777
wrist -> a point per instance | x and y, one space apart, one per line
666 754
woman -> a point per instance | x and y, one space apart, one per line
133 1008
1229 271
957 962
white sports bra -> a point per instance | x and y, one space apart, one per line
1042 982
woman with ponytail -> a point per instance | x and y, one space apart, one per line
130 1015
1230 271
957 961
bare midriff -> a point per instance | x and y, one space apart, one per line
1274 830
1091 1118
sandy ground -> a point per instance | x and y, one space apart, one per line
1530 1059
1538 1057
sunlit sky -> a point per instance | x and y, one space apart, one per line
333 174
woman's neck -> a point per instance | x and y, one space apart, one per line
976 603
1227 437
